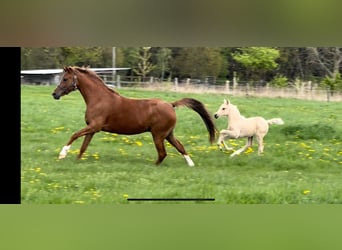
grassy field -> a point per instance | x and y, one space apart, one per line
302 161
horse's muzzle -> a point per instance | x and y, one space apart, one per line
216 116
56 96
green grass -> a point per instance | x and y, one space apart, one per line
302 161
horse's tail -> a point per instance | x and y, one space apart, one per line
277 121
202 111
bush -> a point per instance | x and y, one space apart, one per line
314 131
279 81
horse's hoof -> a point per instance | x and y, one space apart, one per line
61 156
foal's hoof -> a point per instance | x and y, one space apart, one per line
61 156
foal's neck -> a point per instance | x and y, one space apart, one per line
235 113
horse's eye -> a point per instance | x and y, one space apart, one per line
223 108
64 79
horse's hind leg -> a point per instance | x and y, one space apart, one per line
159 144
248 144
179 146
260 140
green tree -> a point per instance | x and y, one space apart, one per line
40 58
257 60
83 56
330 61
199 62
143 66
163 57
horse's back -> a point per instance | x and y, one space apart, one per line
261 125
133 116
251 126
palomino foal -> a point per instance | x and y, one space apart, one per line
239 127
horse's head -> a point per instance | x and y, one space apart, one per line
224 109
67 83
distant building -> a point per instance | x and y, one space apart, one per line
41 76
53 76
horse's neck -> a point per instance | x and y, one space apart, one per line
93 91
235 115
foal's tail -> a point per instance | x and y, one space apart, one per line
202 111
277 121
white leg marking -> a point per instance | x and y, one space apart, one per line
237 152
189 161
64 152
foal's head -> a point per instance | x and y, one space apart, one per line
67 83
226 109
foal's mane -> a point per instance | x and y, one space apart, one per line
93 75
235 108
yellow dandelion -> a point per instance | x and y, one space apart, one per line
79 202
249 150
139 143
125 196
305 192
304 145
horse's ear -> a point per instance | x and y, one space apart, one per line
226 101
67 69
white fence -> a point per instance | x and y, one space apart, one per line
300 90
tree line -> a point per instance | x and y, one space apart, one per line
277 66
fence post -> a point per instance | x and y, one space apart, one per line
118 83
235 84
227 87
176 83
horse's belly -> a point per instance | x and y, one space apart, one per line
127 130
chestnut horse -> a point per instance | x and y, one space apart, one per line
239 127
107 110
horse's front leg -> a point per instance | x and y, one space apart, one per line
85 144
88 131
221 140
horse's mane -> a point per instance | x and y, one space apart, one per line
235 108
93 75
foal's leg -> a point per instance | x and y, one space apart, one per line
178 145
260 140
248 144
221 140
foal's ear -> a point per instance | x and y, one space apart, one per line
226 101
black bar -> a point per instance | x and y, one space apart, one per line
170 199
